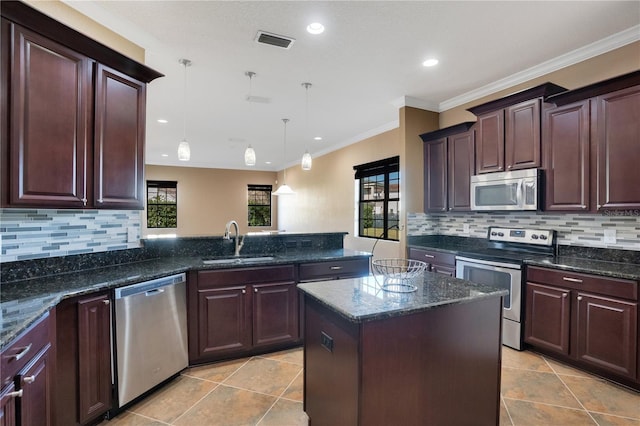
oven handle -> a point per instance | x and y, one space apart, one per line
489 263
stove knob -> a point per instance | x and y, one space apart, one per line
494 233
543 237
500 234
534 237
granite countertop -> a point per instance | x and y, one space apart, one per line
630 271
362 299
23 302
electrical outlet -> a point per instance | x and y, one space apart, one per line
132 234
465 229
610 236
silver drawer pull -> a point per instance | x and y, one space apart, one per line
336 268
579 297
564 295
430 256
16 394
573 280
29 379
255 290
22 353
106 302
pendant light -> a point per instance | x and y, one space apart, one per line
306 157
249 153
184 151
284 189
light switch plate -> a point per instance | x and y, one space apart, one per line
610 236
466 229
132 235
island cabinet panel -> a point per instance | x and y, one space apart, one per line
566 157
490 142
50 115
413 369
618 150
586 320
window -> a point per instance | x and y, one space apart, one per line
162 204
379 199
259 205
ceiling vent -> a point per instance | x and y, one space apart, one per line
274 39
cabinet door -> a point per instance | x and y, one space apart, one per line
8 405
119 140
607 333
618 149
36 382
461 168
49 121
275 313
522 135
94 357
548 318
566 157
435 175
224 321
490 142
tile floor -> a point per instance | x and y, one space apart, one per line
267 390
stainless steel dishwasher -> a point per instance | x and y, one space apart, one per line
151 334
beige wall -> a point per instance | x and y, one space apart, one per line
209 198
81 23
611 64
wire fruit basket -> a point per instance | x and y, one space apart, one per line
397 274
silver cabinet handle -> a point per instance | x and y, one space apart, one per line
573 280
430 256
244 291
16 394
22 353
106 302
564 295
579 297
29 379
255 290
336 268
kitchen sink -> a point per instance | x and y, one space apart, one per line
237 260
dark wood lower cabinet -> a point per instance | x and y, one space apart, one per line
439 262
8 405
548 318
275 314
36 381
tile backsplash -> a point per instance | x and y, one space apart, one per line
585 230
34 233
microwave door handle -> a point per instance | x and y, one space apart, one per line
520 194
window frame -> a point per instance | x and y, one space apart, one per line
164 184
264 188
383 168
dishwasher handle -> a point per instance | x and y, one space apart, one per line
148 287
154 292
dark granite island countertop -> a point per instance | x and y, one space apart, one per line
374 357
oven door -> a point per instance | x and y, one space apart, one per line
507 276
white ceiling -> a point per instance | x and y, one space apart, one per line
363 67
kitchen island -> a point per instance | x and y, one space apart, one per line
374 357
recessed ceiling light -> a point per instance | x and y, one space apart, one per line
430 62
267 162
165 155
315 28
162 121
317 138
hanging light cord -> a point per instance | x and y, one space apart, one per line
284 179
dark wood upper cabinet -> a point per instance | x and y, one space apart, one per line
508 130
73 117
566 157
448 166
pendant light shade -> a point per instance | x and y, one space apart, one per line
306 158
284 189
184 151
249 156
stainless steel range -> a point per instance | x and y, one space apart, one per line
500 263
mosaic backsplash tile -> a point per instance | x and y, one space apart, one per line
586 230
33 233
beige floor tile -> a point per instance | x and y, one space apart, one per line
536 386
131 419
227 406
565 370
604 397
264 375
295 390
534 414
505 420
168 403
295 356
217 372
523 359
607 420
287 413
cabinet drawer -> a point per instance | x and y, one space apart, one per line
432 257
24 348
226 277
334 269
615 287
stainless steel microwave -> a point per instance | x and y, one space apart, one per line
516 190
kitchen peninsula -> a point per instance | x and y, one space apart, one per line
374 357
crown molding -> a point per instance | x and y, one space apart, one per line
599 47
410 101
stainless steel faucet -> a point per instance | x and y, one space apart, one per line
239 239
